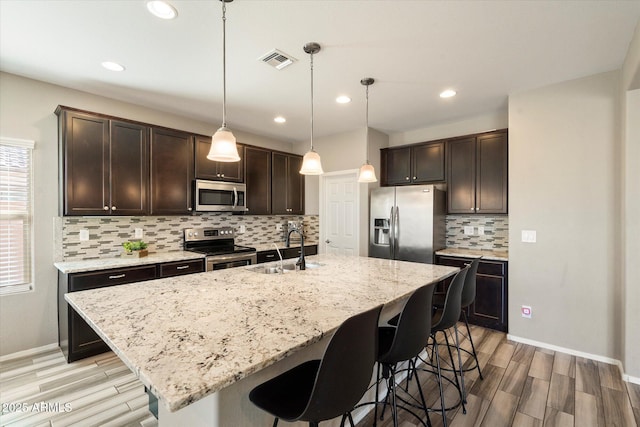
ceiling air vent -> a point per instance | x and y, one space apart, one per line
277 59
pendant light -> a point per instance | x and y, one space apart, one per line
223 143
311 162
367 173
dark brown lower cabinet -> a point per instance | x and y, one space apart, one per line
76 338
489 308
287 253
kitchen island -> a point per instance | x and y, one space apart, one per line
210 337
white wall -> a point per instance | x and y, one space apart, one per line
563 165
29 320
477 124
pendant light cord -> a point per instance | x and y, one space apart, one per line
367 129
224 64
311 101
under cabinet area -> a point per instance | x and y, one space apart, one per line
489 308
416 164
217 171
477 174
76 338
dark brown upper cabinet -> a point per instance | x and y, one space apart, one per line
417 164
172 172
477 174
258 180
287 184
104 165
217 171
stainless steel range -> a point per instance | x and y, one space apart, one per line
219 246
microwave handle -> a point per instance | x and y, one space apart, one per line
235 197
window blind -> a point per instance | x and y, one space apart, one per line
15 215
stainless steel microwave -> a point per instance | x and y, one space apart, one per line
219 196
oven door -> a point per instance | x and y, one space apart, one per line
218 196
220 262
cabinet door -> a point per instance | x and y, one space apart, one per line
295 185
398 166
258 180
279 180
427 163
216 171
461 176
489 306
85 158
492 175
129 168
171 172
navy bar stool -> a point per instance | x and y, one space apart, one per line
320 390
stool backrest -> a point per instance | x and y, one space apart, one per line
453 301
414 327
469 288
346 367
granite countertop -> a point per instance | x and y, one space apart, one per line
117 262
475 253
189 336
269 246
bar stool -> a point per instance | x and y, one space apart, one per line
403 343
467 298
320 390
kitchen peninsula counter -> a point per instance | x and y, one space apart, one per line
191 336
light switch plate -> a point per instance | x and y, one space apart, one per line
481 231
468 230
137 233
529 236
84 235
242 229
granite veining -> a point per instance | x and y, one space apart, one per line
117 262
189 336
475 253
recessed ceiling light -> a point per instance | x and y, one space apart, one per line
343 99
447 93
162 9
112 66
279 119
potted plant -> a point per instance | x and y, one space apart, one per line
137 249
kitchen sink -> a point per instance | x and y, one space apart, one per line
286 268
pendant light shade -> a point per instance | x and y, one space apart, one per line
223 143
367 172
311 164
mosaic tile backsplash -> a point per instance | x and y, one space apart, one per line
496 232
165 233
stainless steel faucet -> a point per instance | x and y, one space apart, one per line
300 261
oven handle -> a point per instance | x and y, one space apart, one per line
235 197
218 259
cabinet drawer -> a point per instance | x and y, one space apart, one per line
267 256
116 276
452 261
178 268
492 268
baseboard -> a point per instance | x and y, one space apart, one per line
29 352
572 352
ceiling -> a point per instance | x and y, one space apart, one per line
485 50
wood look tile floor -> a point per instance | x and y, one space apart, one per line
522 386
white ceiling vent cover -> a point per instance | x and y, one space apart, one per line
277 59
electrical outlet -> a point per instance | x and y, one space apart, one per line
138 233
243 229
526 311
278 227
529 236
84 235
468 230
480 231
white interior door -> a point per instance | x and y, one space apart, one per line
339 213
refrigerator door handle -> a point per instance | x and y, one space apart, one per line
392 240
396 231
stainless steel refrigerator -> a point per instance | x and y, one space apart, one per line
407 223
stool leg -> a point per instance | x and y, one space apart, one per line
375 406
351 423
394 403
455 372
424 403
473 348
275 421
436 351
464 391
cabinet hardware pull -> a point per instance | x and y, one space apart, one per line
189 209
182 267
113 208
106 208
472 209
222 175
406 178
269 256
117 276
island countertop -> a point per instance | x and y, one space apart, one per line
187 337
